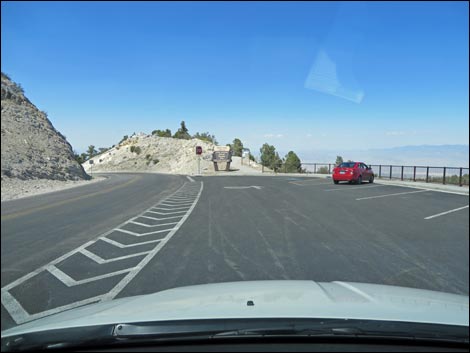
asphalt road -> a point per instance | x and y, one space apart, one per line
142 233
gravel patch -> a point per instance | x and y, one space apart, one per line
13 188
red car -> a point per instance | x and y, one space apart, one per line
353 172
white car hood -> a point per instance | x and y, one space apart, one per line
272 299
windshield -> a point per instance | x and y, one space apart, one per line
152 146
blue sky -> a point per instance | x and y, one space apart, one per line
300 75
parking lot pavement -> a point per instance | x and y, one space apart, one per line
281 230
219 229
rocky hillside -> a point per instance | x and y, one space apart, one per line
150 153
31 147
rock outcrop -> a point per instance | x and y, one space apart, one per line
31 147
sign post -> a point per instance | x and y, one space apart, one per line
198 153
91 168
244 153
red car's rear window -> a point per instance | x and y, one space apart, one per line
347 165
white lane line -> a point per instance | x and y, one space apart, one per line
22 316
122 246
14 308
176 203
313 184
190 179
70 282
125 281
398 193
446 212
58 309
152 225
44 268
165 213
100 260
170 209
357 187
309 182
143 234
181 204
159 219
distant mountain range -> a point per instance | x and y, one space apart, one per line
425 155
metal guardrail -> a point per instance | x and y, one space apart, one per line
442 175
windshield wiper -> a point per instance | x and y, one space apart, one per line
315 328
220 329
289 331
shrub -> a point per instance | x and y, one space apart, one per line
161 133
135 149
205 136
322 170
155 161
148 157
